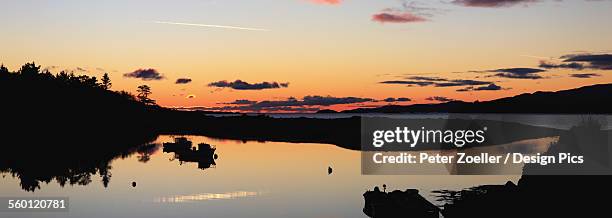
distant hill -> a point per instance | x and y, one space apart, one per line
595 99
327 111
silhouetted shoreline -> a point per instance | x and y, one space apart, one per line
343 132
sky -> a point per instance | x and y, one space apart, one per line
306 55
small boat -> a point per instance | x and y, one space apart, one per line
204 152
179 144
182 148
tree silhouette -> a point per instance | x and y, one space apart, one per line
143 94
29 70
106 82
4 72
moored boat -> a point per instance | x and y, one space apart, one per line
180 143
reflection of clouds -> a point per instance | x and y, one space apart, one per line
206 197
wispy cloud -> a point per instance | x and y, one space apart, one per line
183 80
513 73
490 87
211 26
326 2
309 103
592 61
492 3
585 75
440 99
242 85
409 12
518 73
397 17
145 74
436 81
401 99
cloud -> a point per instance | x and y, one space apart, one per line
518 73
440 99
307 103
490 87
396 99
241 101
397 17
437 82
492 3
462 82
326 2
145 74
329 100
426 78
269 109
407 82
585 75
182 81
211 26
573 65
409 12
242 85
591 61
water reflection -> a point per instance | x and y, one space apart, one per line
206 197
145 152
294 177
183 150
73 167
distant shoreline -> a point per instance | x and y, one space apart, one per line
342 132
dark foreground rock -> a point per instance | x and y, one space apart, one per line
397 203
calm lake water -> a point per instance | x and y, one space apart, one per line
250 179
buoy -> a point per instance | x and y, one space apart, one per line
329 170
133 184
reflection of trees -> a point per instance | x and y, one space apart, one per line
145 152
65 167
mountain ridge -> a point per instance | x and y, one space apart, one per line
592 99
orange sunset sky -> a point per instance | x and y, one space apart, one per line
351 53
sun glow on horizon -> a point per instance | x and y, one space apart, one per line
329 48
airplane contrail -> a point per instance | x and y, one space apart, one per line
212 26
